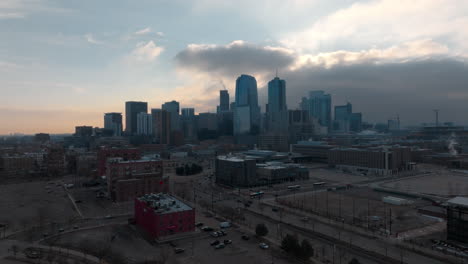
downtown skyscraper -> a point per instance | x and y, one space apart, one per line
131 111
276 109
247 111
319 106
113 122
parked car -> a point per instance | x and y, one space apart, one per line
263 246
227 241
245 237
207 229
219 246
199 224
224 224
173 244
214 234
178 250
214 243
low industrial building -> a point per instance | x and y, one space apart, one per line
457 219
280 172
235 171
242 170
163 215
315 150
384 160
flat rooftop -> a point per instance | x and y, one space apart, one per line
163 203
459 201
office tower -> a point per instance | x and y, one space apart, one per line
355 122
247 111
173 108
188 123
223 101
113 122
161 126
277 112
188 112
144 124
319 106
343 117
131 111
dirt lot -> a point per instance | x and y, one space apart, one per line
335 176
33 203
358 205
440 182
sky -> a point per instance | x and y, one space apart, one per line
66 63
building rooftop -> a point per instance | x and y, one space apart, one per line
234 158
458 201
164 203
121 160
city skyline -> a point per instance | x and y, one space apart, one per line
76 65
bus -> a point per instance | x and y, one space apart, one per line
256 194
319 183
294 187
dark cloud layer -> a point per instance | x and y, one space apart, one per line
410 89
233 59
380 90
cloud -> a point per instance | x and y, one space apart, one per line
90 39
418 49
12 15
385 22
143 31
16 9
234 58
146 52
160 34
407 79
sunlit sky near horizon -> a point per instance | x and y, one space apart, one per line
66 63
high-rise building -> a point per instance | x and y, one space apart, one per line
276 110
161 126
247 111
223 101
131 110
144 124
188 123
355 123
173 108
113 122
319 106
343 117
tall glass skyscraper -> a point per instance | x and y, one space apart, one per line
223 101
276 110
319 106
247 111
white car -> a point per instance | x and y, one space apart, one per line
263 246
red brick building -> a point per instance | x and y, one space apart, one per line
124 153
162 215
129 179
